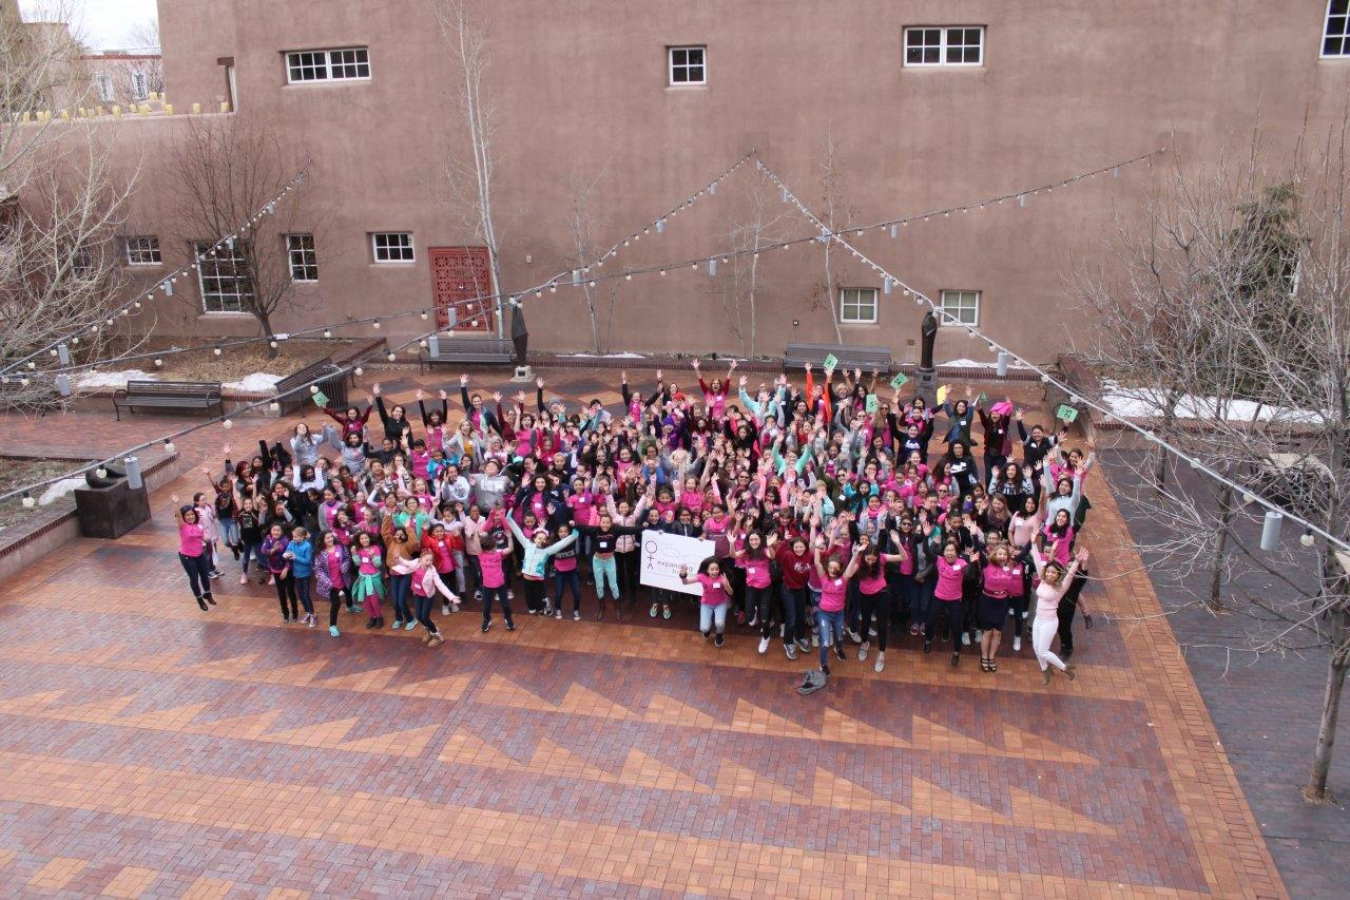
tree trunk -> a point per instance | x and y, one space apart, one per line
1215 599
265 321
1331 706
595 320
829 297
754 267
1169 419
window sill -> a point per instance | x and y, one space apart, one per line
158 265
683 88
971 68
224 314
868 325
400 264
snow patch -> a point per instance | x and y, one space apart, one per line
1144 403
601 356
113 379
975 364
256 383
60 489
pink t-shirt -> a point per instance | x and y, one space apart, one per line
491 563
875 584
1003 580
714 593
757 574
191 541
832 594
949 580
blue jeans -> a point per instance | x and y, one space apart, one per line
302 591
831 628
794 614
229 531
399 586
250 550
562 580
708 616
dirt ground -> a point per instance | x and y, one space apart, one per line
16 472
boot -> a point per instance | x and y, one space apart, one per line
209 598
202 604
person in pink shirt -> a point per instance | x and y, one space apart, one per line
426 584
947 607
1003 578
875 595
834 578
194 554
716 597
493 564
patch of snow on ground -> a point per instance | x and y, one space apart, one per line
58 490
256 383
117 379
1139 403
601 356
975 364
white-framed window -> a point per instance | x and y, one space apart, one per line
688 66
1336 37
82 264
143 250
344 64
103 87
140 88
392 246
944 45
857 306
962 308
304 261
224 278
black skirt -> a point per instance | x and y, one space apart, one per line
991 612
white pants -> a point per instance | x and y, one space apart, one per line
1043 631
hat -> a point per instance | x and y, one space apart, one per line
540 532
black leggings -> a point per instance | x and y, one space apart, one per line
286 591
534 595
953 611
881 604
198 570
627 564
334 602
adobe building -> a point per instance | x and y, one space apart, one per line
896 107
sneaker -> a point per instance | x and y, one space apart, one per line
862 651
754 622
707 635
243 579
927 646
445 607
956 660
486 626
665 611
332 629
653 610
214 575
558 614
871 631
1045 675
965 639
815 640
839 651
478 596
914 631
412 623
763 645
548 608
717 642
881 662
310 621
1017 644
825 670
398 623
855 637
510 625
790 650
576 615
979 635
510 594
271 581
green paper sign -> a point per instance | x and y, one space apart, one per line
979 401
899 381
320 399
830 361
1066 413
873 404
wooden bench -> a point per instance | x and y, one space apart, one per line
329 379
168 395
850 357
460 350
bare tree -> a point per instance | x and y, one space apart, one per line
761 222
835 214
472 185
1241 281
223 170
61 206
581 224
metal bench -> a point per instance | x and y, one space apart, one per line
460 350
324 374
850 356
168 395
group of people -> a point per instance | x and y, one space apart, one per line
831 520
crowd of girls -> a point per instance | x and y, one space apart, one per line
839 514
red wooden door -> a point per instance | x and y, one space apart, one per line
460 274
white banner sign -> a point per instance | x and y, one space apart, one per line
662 556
